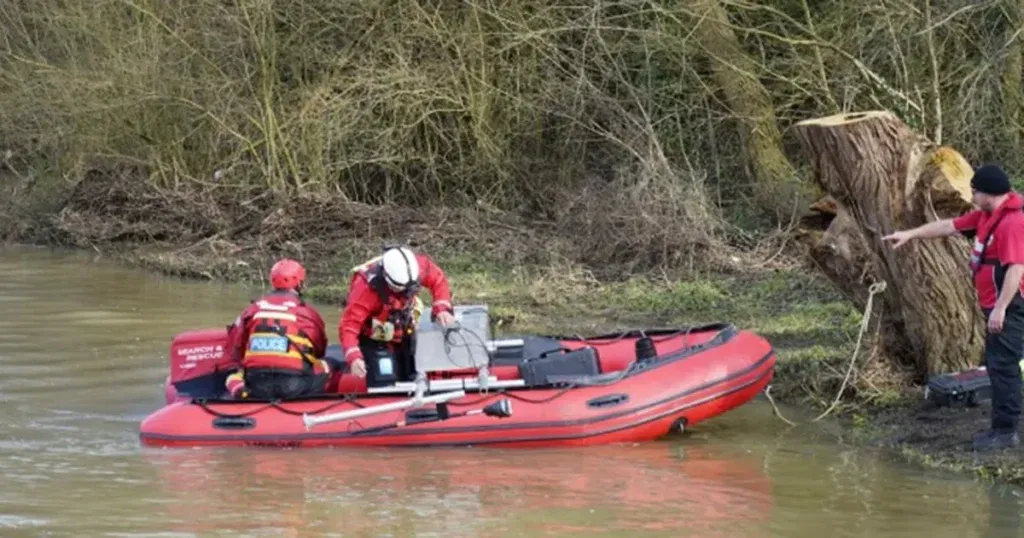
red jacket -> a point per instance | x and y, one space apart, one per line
372 303
280 318
1005 245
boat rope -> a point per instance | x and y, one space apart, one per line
874 289
514 396
605 341
565 387
204 404
594 342
775 408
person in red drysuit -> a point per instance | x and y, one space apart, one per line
279 341
377 327
997 264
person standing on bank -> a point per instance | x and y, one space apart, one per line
997 262
378 324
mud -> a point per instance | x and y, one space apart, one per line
940 438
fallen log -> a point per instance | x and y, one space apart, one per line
880 177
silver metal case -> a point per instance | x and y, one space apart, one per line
463 349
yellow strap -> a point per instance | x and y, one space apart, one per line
303 344
300 341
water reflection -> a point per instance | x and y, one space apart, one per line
659 487
1005 512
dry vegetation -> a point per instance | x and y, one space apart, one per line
650 133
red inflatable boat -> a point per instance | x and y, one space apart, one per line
534 391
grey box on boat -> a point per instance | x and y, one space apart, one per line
465 348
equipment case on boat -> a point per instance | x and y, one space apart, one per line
543 370
439 350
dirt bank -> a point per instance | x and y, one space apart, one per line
537 279
940 437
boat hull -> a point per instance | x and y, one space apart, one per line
685 384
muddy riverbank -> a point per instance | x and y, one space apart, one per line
940 438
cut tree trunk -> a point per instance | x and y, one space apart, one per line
882 177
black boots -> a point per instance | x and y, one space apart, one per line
996 440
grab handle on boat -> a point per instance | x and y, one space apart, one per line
310 421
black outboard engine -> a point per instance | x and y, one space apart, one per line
645 349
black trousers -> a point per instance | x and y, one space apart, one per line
386 363
1003 352
274 384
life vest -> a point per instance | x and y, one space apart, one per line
988 272
399 310
978 257
277 338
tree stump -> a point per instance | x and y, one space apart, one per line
881 177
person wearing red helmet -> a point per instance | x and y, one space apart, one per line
377 326
279 342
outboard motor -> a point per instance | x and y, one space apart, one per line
645 350
199 364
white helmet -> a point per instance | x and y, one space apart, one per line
400 268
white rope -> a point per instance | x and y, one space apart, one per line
876 288
775 408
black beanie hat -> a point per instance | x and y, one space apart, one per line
990 179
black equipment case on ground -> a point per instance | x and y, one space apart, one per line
967 388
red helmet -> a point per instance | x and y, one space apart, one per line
287 274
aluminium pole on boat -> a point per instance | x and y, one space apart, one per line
310 420
466 384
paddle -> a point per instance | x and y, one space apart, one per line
499 409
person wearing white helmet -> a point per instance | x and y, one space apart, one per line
377 326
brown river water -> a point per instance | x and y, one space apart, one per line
83 345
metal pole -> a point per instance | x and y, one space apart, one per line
466 383
383 408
